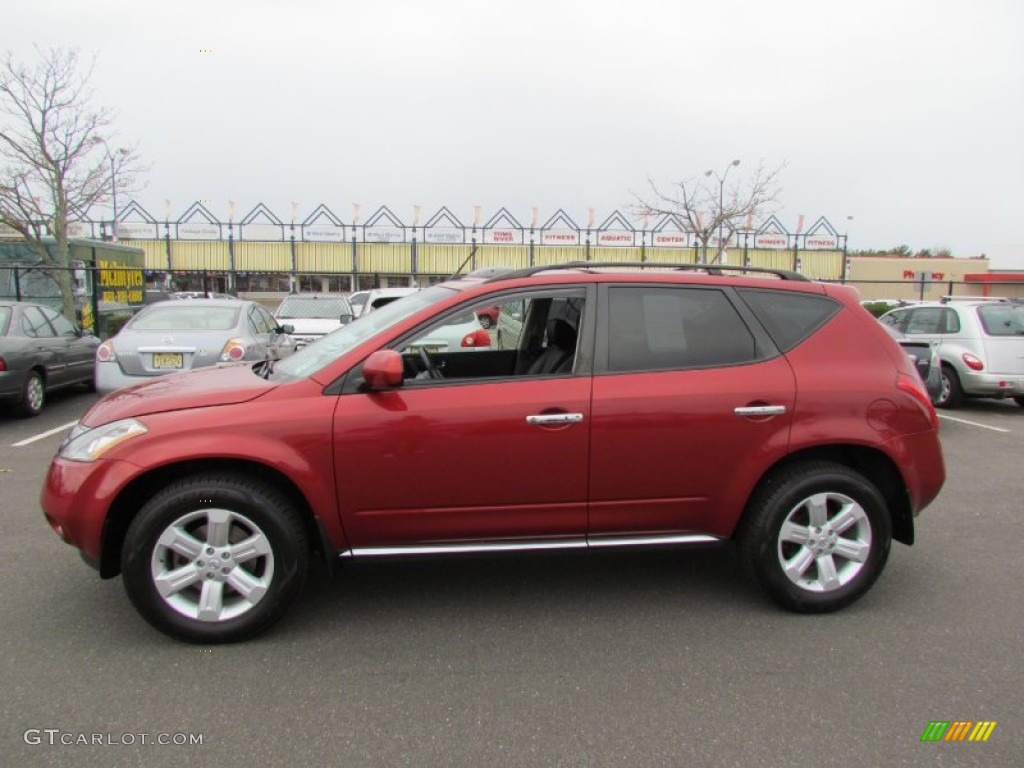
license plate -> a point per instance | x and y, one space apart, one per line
167 360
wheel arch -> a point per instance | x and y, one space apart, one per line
873 464
142 488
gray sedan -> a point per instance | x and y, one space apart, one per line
40 350
175 336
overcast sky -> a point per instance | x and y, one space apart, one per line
906 115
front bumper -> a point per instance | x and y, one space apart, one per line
77 497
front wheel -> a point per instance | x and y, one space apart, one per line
215 558
33 395
1019 400
816 537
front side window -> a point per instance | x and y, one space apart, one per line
262 323
532 335
654 328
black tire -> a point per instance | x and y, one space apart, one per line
1019 400
952 394
485 321
33 395
251 511
844 566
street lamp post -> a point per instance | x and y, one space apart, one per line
721 203
113 181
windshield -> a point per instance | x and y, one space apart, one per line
319 354
185 316
294 308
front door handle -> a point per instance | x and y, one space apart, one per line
555 418
760 410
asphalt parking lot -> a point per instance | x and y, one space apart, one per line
609 659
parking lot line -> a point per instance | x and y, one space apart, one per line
972 423
43 435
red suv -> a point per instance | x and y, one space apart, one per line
615 407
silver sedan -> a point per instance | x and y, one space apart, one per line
176 336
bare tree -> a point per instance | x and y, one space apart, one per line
709 205
57 154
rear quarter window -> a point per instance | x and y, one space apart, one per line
789 317
1002 319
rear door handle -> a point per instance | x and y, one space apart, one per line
760 410
555 418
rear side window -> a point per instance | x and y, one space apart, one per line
789 317
663 328
1002 319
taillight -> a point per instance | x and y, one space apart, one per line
105 352
3 364
912 385
478 338
973 362
233 350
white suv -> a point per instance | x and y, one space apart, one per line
980 344
313 315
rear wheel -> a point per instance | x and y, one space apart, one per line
33 395
215 558
485 321
1019 400
952 394
817 537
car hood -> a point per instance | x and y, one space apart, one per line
219 385
310 324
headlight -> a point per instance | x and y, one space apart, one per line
84 444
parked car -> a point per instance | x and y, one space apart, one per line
175 336
379 297
313 315
464 331
200 295
925 357
980 344
488 316
40 351
621 408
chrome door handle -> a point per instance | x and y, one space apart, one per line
555 418
760 410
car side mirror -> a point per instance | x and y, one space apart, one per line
383 370
346 318
286 328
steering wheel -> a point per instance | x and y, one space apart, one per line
429 364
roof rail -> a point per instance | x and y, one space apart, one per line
946 299
711 269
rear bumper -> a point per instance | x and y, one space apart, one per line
991 384
920 457
110 377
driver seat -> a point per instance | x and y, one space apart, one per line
558 356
